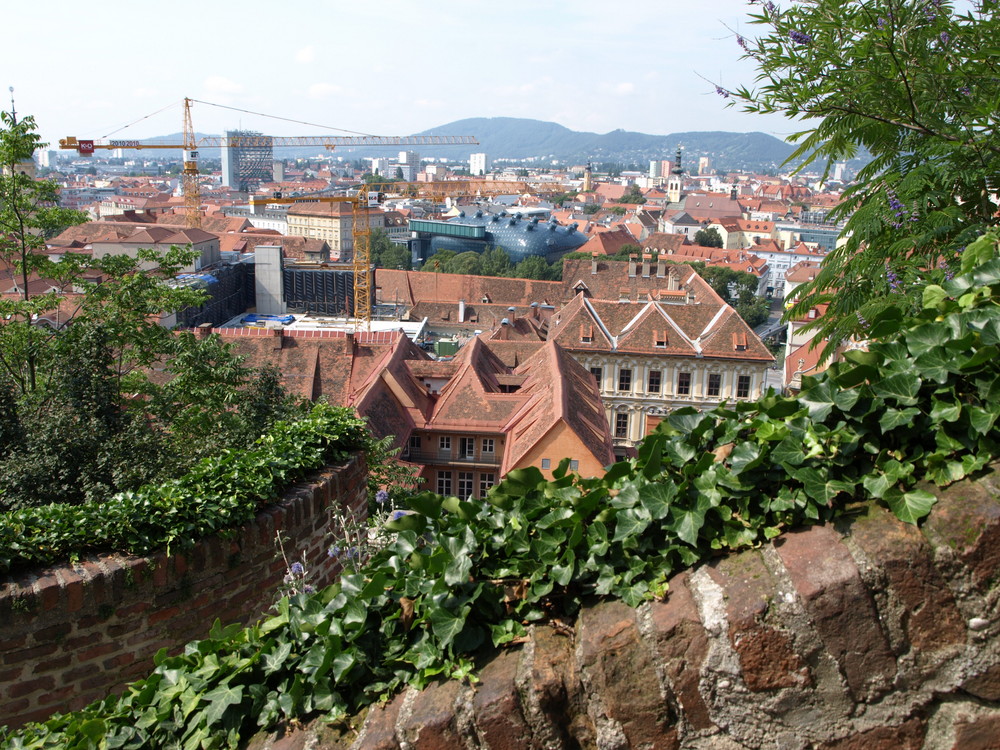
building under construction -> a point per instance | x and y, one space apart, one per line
245 166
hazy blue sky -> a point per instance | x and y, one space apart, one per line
385 67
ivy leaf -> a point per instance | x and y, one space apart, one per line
630 523
275 660
687 524
220 699
910 507
789 451
446 625
893 418
656 498
902 387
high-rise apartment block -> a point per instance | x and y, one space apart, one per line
249 162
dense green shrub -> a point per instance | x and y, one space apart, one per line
219 492
921 404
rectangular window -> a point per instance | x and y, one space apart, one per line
444 483
465 483
546 463
574 465
624 379
683 383
742 386
415 442
598 373
485 482
714 384
586 339
466 447
444 444
653 386
488 446
621 424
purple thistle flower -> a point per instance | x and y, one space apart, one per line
353 553
771 8
334 551
743 43
309 589
297 569
722 92
944 37
381 497
799 37
881 22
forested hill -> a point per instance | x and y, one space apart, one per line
518 138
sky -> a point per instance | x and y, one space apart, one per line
121 68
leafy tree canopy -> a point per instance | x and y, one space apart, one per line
708 237
913 82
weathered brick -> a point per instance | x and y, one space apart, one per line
380 725
907 736
81 641
930 617
163 614
27 687
977 733
48 591
843 613
73 589
26 655
767 657
94 652
496 707
967 520
432 723
620 670
682 645
53 632
49 665
558 712
985 685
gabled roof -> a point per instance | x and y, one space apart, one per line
556 389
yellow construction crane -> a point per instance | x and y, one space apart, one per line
190 145
368 196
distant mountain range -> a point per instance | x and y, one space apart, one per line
519 138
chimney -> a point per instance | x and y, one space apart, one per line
733 193
504 330
203 331
461 311
631 266
513 314
534 311
661 266
646 257
593 262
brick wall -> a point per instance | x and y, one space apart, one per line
867 635
73 633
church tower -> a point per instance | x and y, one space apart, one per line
588 179
676 180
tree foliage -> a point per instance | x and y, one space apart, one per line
709 237
106 398
912 82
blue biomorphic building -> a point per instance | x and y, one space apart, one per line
520 237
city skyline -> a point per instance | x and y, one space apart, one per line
394 68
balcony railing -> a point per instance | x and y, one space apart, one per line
420 456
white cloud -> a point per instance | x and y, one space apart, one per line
306 54
323 90
221 85
144 93
625 88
